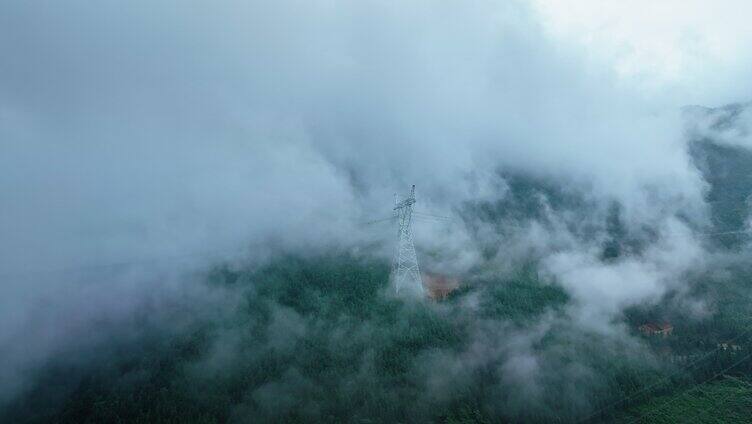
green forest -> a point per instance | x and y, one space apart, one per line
321 337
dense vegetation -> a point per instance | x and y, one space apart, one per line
322 338
726 400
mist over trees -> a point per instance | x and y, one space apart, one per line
184 192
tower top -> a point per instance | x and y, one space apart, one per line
407 202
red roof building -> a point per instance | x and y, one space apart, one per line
657 329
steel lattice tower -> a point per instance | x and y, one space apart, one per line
406 273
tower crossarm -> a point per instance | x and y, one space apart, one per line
407 202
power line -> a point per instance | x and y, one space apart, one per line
723 400
741 200
661 380
207 254
376 221
428 219
420 215
432 215
675 398
142 261
726 233
117 265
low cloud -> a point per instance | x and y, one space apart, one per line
232 132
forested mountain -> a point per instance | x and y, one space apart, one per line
375 211
322 337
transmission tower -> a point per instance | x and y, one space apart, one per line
406 273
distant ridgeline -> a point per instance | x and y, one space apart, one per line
532 199
726 164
